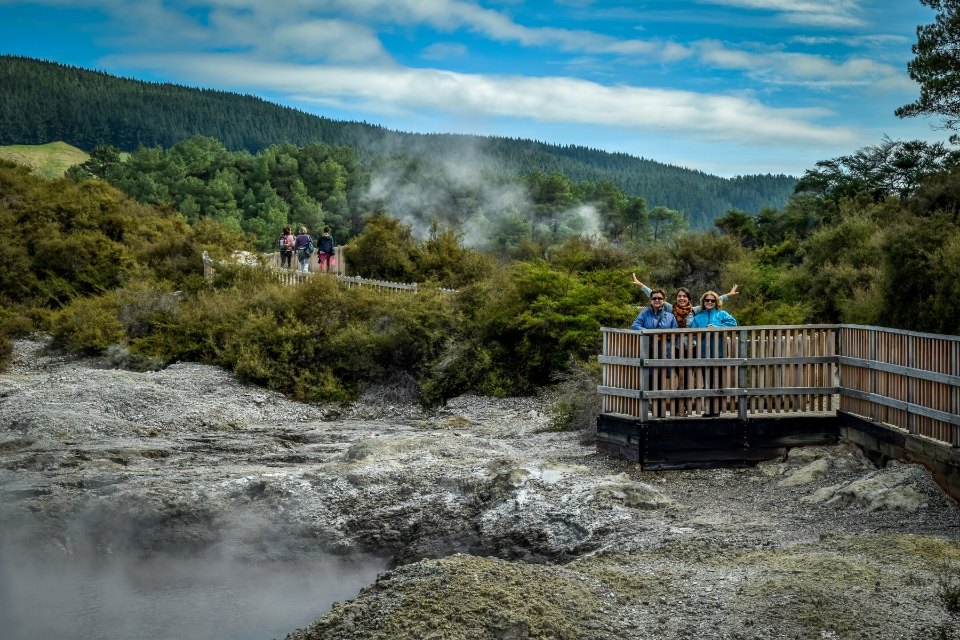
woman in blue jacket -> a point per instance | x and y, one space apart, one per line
655 316
711 315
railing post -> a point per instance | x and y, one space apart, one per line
955 400
603 369
742 375
836 371
911 346
644 401
873 373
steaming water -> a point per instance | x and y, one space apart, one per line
169 597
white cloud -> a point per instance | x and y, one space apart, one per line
780 67
304 28
330 40
836 13
555 99
853 41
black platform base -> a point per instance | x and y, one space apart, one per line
691 443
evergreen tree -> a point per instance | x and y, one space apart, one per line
936 66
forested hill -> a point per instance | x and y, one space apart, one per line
43 102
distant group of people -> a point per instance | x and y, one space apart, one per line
660 314
303 246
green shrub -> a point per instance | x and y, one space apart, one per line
533 318
89 325
443 260
19 320
463 365
143 306
385 250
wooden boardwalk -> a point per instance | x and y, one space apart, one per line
693 397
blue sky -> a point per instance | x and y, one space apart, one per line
729 87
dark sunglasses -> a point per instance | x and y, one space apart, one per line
706 300
656 298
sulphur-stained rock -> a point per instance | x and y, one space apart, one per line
470 597
807 474
896 487
621 490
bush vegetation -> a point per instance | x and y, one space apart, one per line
107 274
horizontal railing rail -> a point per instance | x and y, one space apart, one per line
908 380
293 277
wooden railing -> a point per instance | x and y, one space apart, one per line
902 378
294 277
907 380
689 372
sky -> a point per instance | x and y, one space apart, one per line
728 87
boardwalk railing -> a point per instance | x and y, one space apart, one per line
294 277
902 378
690 372
908 380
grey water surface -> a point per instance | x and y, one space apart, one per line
168 597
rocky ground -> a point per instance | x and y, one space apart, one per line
494 526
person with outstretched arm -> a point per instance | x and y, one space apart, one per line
682 309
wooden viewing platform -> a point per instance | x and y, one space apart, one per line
685 398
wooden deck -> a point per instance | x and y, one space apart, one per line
707 397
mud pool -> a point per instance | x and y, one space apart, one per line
168 597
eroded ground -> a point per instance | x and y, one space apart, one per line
494 526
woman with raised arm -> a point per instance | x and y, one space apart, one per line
682 309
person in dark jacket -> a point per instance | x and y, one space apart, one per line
655 316
325 250
304 248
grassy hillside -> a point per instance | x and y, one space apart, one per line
47 160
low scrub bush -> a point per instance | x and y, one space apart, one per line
6 352
505 335
948 590
576 402
89 325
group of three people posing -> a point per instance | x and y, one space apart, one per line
660 314
302 245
